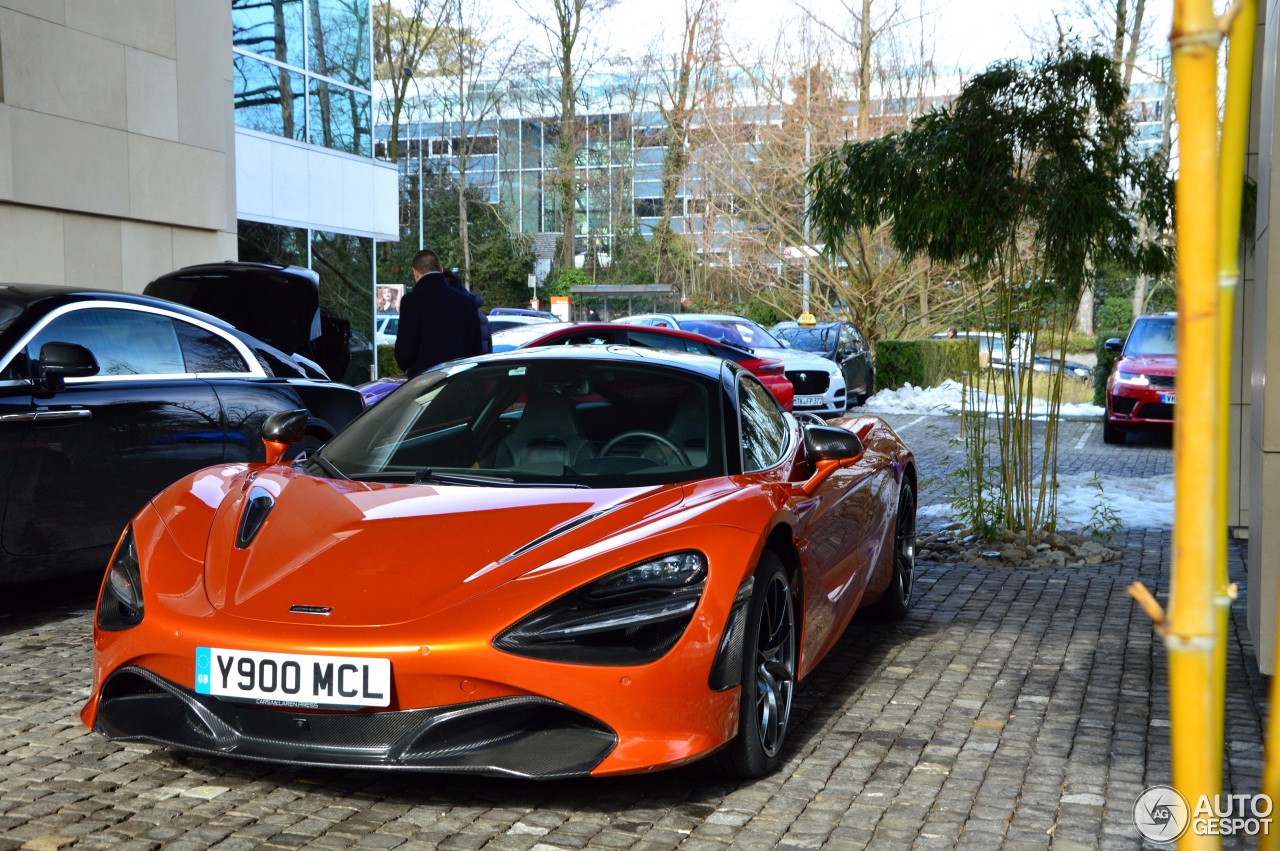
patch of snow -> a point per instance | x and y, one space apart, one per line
1137 503
945 399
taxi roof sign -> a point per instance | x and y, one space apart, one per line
807 319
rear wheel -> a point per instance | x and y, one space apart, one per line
769 664
860 399
308 444
1111 434
897 597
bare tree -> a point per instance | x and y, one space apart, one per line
568 52
477 56
402 44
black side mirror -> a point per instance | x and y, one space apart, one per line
1114 344
60 361
281 430
828 443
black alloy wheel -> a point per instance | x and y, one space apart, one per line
897 597
770 664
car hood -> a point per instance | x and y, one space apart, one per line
798 359
1150 364
385 554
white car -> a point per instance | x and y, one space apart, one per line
385 327
819 382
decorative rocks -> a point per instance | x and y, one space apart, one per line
956 545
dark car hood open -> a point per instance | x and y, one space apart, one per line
277 304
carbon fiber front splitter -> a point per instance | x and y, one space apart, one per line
510 737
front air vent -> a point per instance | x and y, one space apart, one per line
254 514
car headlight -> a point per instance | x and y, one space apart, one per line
1135 378
632 616
120 606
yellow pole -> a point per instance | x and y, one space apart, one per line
1191 636
1235 131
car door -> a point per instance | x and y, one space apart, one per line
95 451
855 360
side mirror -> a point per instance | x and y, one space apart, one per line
60 361
1114 344
281 430
827 449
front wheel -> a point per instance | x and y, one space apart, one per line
769 666
897 597
1111 434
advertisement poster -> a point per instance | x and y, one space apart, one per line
388 298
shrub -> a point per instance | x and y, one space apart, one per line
1114 312
1106 360
924 363
387 362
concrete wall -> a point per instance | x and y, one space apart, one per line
117 139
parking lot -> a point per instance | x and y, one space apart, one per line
1016 708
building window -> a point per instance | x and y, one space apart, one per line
303 71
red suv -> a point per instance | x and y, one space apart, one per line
1140 390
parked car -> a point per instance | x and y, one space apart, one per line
628 558
768 370
818 382
279 305
385 328
992 354
106 398
524 311
505 321
841 342
1141 392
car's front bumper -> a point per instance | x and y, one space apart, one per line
520 736
812 395
1139 408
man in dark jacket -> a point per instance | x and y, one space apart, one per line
437 323
486 330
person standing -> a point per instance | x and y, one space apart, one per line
437 323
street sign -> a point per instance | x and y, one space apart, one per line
533 282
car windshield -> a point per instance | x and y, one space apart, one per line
818 340
737 331
572 422
10 309
1152 336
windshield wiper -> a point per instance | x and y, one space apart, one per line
334 472
428 475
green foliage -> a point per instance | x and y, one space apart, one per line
762 313
1114 312
387 362
501 260
924 363
1106 360
1030 178
561 279
1104 522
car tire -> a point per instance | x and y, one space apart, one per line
770 663
897 597
308 444
1111 434
861 398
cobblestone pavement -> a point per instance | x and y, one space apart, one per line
1013 708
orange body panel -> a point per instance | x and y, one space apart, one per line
426 576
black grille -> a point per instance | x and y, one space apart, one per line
1160 380
1123 404
809 382
1156 411
511 736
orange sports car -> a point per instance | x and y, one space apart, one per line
542 563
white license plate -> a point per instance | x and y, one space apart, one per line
290 679
807 401
1168 398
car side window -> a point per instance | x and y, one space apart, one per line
663 342
124 342
585 338
846 339
763 427
208 351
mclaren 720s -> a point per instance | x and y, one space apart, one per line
543 563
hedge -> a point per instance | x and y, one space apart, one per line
924 363
387 362
1106 360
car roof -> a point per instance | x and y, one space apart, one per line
704 365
